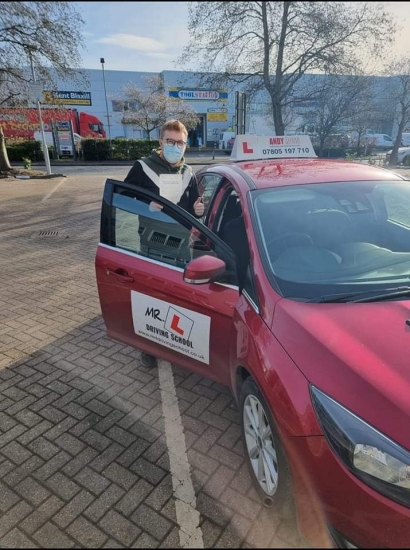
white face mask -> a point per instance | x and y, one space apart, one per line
172 153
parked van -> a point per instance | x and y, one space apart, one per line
377 141
405 139
224 139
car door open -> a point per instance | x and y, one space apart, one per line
167 284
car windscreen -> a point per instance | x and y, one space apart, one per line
334 237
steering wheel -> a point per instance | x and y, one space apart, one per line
297 239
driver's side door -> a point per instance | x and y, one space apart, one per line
144 299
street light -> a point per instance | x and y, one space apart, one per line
102 61
43 136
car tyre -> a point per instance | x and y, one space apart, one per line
265 455
405 160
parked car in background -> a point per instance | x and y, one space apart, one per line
403 155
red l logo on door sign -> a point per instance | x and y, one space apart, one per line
245 148
174 325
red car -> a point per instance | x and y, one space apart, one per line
294 291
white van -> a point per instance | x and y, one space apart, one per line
224 138
378 141
405 139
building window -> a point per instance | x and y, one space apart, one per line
258 108
119 106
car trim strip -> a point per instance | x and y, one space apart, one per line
144 258
156 262
252 303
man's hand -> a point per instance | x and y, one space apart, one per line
199 207
155 207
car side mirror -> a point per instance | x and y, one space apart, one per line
204 269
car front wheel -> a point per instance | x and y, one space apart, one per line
264 452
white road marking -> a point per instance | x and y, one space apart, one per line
190 533
52 191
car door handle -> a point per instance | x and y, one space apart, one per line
121 275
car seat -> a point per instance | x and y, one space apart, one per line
232 210
327 227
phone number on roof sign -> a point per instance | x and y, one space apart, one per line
286 151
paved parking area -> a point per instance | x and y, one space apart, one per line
83 454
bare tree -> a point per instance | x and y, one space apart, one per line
149 108
367 114
341 99
49 33
399 99
276 43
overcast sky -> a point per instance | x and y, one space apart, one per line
149 36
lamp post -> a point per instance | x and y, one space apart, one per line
102 61
43 136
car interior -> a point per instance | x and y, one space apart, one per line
333 232
230 227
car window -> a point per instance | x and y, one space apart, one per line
207 185
398 206
333 238
229 209
133 223
229 225
144 230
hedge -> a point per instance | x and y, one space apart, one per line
133 149
92 149
121 149
339 152
17 150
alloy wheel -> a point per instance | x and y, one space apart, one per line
260 445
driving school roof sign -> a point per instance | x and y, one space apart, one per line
250 147
196 94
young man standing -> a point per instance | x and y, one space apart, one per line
150 172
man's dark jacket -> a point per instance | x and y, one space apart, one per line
155 166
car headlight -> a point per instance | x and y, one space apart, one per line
368 454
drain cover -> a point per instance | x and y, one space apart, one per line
48 234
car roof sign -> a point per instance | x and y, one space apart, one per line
251 147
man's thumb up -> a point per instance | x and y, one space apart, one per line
199 207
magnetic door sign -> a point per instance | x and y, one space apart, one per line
174 327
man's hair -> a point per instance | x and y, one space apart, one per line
175 126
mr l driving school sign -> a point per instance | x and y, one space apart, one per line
174 327
67 98
250 147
